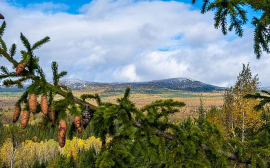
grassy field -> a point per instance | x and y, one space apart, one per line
139 97
143 97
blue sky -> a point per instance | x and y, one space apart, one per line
73 6
127 40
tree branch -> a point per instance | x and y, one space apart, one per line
8 57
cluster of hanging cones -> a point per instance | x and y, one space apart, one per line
32 101
46 110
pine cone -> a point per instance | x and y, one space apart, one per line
61 141
85 122
44 105
86 118
62 133
77 122
1 16
51 114
6 83
20 68
16 114
79 129
33 102
25 118
63 125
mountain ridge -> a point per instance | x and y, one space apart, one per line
183 84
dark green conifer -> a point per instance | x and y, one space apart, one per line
232 14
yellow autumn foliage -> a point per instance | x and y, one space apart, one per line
74 146
29 150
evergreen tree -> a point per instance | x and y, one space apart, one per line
87 158
232 14
61 161
71 162
202 113
37 164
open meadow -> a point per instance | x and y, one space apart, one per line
139 97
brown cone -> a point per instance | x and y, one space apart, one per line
25 118
62 133
79 129
51 114
20 68
63 125
16 114
33 102
1 16
6 84
44 105
77 122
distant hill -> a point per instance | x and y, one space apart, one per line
10 89
183 84
267 88
177 84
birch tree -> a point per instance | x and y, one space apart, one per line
14 138
244 116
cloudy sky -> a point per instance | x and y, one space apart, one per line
132 40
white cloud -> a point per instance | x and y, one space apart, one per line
126 73
124 41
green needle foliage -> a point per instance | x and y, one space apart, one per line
232 14
131 136
264 99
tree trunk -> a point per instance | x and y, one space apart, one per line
243 127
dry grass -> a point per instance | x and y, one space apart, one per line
192 100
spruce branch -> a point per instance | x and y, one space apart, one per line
261 36
2 29
127 93
205 6
61 74
87 96
10 82
55 73
263 99
26 44
3 76
12 50
41 74
3 45
236 11
41 42
4 70
8 57
23 98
